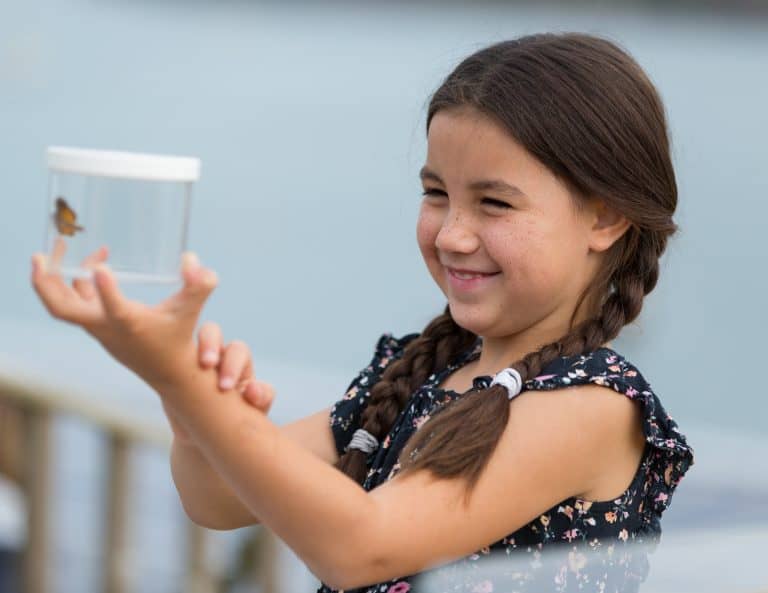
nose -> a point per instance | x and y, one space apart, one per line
456 234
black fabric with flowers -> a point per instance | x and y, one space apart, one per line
600 526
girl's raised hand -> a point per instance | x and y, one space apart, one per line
156 342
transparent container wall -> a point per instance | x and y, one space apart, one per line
142 223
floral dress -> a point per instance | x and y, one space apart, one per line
596 532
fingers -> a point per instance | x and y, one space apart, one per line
58 251
116 306
236 367
57 296
209 344
84 286
260 395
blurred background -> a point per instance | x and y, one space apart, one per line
309 121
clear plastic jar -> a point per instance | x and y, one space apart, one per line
137 205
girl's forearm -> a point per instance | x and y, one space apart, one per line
206 497
319 512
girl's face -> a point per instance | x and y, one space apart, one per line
499 232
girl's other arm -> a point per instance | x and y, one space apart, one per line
206 497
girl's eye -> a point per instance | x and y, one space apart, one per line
429 191
433 192
496 203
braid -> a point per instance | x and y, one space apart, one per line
440 342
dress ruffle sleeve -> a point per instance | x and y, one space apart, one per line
668 455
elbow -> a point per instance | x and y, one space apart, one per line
211 521
199 519
355 571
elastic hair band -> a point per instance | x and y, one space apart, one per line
510 379
364 441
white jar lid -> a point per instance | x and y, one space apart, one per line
129 165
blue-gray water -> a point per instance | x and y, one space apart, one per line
309 123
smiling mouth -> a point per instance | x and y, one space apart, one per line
468 274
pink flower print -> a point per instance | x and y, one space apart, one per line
383 362
611 359
543 377
485 587
615 368
567 510
351 393
610 516
385 444
401 587
631 391
420 420
630 373
662 497
623 535
571 534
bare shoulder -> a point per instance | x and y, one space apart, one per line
604 425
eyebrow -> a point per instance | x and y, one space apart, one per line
498 185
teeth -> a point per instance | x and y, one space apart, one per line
464 276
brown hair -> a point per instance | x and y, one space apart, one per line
585 109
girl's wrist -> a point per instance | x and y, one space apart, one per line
175 372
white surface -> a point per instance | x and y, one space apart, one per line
126 165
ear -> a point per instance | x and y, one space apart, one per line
607 225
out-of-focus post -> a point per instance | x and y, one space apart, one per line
36 480
117 571
199 578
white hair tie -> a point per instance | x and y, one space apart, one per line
364 441
510 379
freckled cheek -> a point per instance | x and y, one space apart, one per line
520 253
427 228
509 248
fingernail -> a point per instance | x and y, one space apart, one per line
226 382
210 357
100 273
190 259
38 262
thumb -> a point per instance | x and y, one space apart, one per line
199 283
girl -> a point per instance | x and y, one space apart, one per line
509 423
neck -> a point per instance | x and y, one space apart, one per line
499 352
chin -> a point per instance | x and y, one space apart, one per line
472 320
